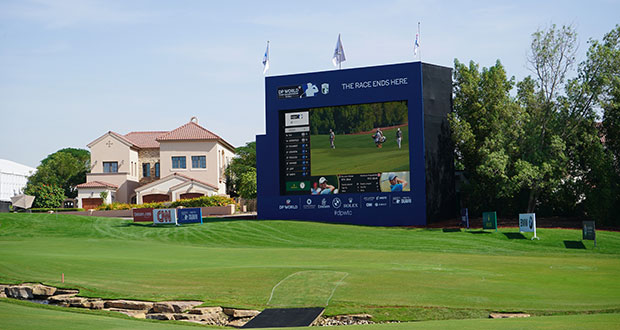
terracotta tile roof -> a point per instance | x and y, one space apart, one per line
189 131
193 131
145 139
96 184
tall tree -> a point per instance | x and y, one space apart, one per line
562 111
244 162
487 127
65 168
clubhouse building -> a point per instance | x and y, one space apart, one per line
155 166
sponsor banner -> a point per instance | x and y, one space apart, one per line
289 204
164 216
489 220
142 215
589 232
189 215
290 92
527 222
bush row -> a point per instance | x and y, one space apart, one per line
204 201
47 209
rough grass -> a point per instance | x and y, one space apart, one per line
391 273
356 154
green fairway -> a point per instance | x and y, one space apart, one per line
391 273
357 154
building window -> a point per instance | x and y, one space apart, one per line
178 162
199 161
157 170
146 170
110 167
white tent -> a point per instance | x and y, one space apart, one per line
13 178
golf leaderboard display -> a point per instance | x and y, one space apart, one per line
362 146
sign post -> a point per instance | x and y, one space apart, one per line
489 220
465 217
189 215
527 223
142 215
164 216
589 231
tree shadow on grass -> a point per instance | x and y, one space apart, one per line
514 235
479 232
452 230
574 245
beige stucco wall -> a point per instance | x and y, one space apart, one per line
110 149
126 186
95 193
224 159
192 188
168 149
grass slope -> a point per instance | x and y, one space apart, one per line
392 273
27 316
356 154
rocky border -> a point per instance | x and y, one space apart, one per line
163 310
187 311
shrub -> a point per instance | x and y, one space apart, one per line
47 209
46 195
204 201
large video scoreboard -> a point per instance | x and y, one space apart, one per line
350 146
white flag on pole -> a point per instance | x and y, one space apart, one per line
416 43
266 59
338 57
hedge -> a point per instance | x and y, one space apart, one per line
204 201
47 209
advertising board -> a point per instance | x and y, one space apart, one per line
189 215
355 145
164 216
527 222
489 220
143 215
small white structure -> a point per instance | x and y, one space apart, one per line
13 178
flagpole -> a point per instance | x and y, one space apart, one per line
419 50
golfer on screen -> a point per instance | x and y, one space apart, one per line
396 184
332 137
325 187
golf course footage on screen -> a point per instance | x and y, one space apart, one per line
360 148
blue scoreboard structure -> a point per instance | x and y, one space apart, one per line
366 146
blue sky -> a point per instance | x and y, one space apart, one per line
72 70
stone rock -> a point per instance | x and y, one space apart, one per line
129 312
2 293
186 317
205 310
64 299
238 323
93 304
173 306
507 315
40 290
239 313
66 292
129 304
160 316
19 292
